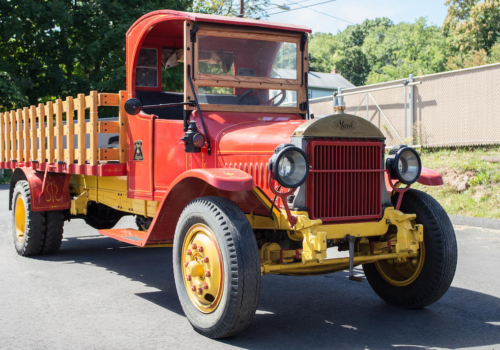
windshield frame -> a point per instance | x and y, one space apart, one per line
237 81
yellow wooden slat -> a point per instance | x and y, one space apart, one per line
13 134
7 136
20 145
92 103
122 119
49 110
26 121
34 150
2 138
80 108
69 131
41 133
109 99
59 130
112 127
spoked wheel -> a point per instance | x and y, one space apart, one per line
421 281
216 267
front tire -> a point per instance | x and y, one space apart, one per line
418 285
222 302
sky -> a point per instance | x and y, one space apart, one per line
356 11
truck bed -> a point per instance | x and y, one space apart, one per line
57 136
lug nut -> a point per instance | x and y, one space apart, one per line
208 274
193 288
205 259
194 246
188 278
186 264
205 285
200 249
200 291
189 252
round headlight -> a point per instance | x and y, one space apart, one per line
290 166
405 166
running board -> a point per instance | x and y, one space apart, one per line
127 235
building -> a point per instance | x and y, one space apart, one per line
320 84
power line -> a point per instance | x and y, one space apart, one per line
302 7
307 8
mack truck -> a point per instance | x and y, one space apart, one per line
233 173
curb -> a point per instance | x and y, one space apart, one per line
473 221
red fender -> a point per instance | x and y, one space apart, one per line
51 195
430 177
231 183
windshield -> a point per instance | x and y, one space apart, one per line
247 57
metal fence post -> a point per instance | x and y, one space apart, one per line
367 116
410 80
406 111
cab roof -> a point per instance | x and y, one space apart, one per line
201 17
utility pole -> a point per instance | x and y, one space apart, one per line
242 8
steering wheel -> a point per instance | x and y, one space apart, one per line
243 95
270 102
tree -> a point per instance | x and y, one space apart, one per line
253 8
353 65
472 24
63 47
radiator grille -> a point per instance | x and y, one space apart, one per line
345 181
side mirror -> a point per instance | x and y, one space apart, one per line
133 106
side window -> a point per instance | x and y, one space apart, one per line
146 74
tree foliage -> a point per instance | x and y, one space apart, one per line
54 48
253 8
472 24
379 50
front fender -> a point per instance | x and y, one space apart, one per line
53 196
231 183
430 177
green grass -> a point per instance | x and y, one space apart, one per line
482 198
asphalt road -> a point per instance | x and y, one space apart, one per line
97 293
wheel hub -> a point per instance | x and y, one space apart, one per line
404 274
20 218
202 268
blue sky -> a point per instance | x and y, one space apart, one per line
356 11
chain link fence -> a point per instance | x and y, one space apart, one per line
457 108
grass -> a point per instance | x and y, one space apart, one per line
482 198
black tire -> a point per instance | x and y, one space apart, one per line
240 258
34 230
440 261
54 231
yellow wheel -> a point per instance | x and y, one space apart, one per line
419 282
202 268
402 274
216 267
19 218
28 227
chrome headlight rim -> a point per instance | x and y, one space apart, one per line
392 165
280 152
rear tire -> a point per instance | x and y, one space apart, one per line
54 232
222 229
28 227
439 254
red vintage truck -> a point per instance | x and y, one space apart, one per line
232 172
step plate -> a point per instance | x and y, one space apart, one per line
127 235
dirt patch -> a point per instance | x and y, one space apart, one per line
459 181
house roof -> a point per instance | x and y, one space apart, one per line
319 80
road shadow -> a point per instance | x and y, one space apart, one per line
310 312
